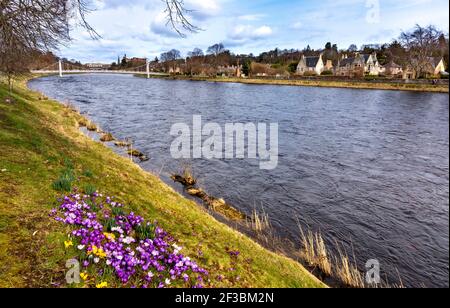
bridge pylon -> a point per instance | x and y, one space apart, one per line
60 68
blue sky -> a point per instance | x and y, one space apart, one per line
137 27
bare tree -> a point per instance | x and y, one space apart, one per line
29 26
421 43
171 55
170 58
14 64
259 69
197 52
397 53
46 24
353 48
216 49
41 24
177 17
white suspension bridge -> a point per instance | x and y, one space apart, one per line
61 67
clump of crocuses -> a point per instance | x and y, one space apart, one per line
109 241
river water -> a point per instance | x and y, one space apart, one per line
368 168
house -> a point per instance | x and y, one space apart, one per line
311 65
409 73
230 71
177 70
371 65
329 65
436 66
136 61
392 69
358 66
350 67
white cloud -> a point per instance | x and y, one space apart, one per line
203 9
297 25
254 17
159 26
263 31
245 32
211 6
138 27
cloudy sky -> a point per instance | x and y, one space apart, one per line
137 27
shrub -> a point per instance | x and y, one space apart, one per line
371 78
327 73
292 67
309 74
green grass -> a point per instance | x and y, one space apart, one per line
89 189
64 183
44 153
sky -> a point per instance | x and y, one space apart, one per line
138 28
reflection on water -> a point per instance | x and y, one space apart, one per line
369 168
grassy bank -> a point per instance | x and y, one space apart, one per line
39 139
323 83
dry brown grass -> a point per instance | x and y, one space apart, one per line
341 84
189 176
69 106
260 222
108 137
347 272
83 122
122 144
91 127
314 251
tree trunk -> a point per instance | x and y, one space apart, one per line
10 85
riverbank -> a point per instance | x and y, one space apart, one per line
366 85
39 138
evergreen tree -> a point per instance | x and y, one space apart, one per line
246 68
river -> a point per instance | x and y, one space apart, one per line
368 168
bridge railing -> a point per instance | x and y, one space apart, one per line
95 72
60 70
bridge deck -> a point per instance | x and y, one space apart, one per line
96 72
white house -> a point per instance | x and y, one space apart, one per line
371 65
437 66
311 65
